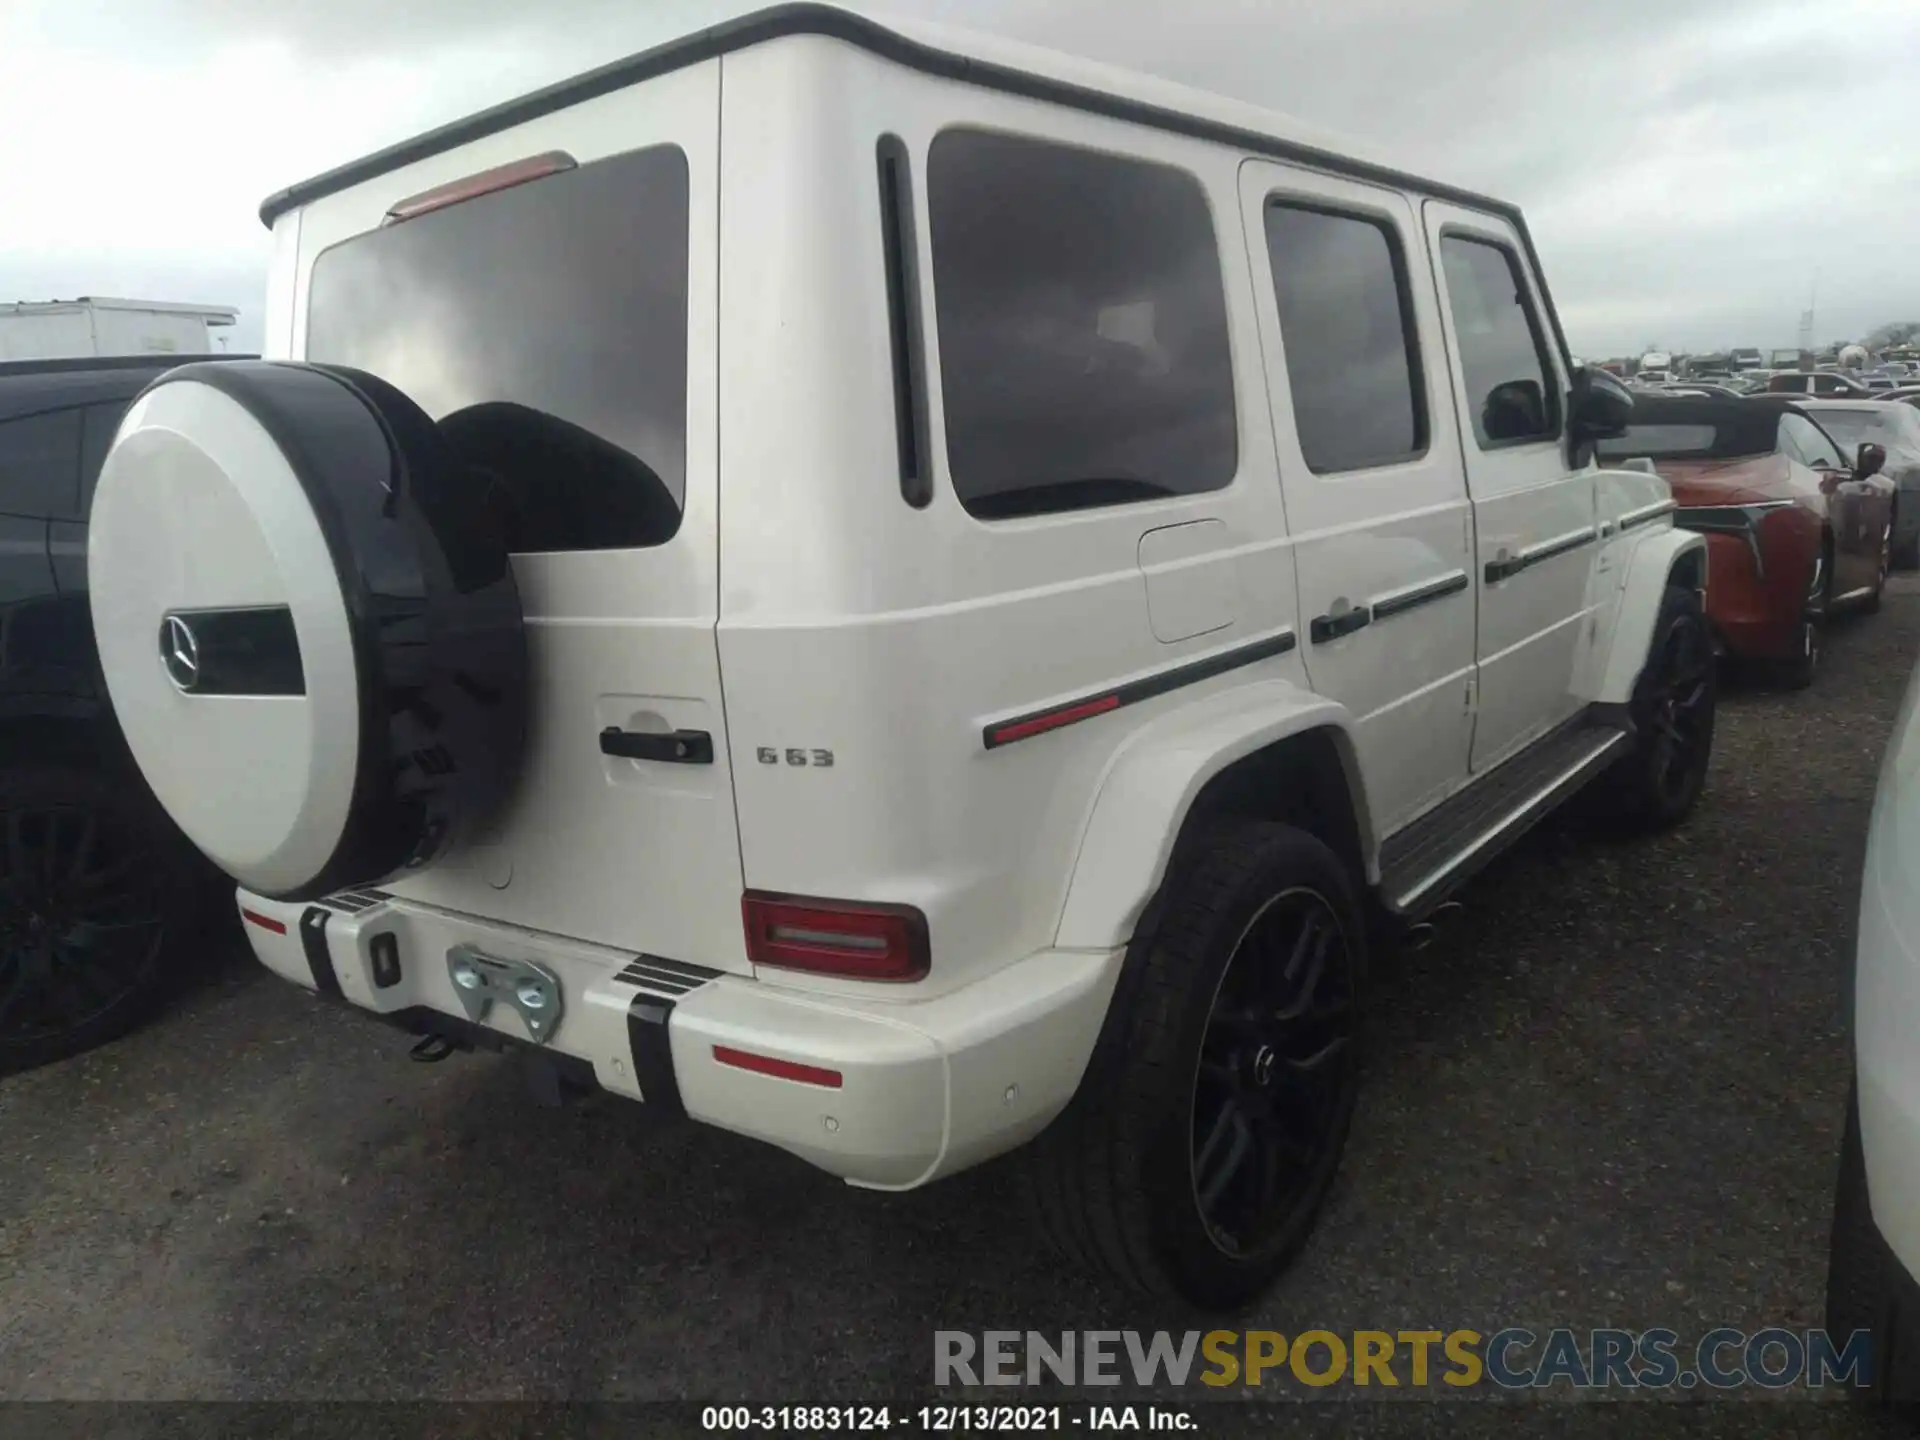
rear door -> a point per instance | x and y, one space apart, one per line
562 331
1534 516
1370 466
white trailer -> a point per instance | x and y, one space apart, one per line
91 326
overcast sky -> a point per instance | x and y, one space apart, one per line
1691 168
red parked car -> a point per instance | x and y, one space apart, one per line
1795 529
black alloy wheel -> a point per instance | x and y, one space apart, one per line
1205 1137
87 901
1277 1077
1679 710
1657 782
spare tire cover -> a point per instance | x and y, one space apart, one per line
307 623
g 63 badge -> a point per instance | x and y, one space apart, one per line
819 759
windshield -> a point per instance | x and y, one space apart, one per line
1857 427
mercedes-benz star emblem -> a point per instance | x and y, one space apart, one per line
180 652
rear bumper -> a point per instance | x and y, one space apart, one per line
924 1087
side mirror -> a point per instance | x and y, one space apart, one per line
1871 460
1599 407
1514 410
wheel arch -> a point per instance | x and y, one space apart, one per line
1283 754
1662 558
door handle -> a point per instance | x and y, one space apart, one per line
1504 565
1331 627
674 747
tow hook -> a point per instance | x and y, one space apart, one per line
431 1050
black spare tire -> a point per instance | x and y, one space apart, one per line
307 623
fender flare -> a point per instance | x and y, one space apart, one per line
1643 584
1151 784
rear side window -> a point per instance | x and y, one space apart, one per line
40 465
545 327
1503 351
1083 327
1346 319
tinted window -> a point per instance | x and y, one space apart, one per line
97 432
1083 327
40 465
1501 349
545 328
1805 440
1352 360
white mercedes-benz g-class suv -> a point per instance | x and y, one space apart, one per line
900 596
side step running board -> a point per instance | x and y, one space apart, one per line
1422 864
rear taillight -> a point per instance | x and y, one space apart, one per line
835 937
501 177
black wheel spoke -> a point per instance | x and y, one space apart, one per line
1305 967
1293 1145
1276 1072
1228 1159
89 978
108 878
1318 1059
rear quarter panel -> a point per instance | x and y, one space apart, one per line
890 636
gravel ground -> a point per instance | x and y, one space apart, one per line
1609 1095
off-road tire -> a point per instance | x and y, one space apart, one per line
1110 1181
1639 795
177 887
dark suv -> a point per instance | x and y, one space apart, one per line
100 896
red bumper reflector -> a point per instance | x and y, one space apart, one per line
835 937
265 922
1040 724
780 1069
